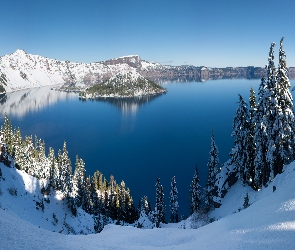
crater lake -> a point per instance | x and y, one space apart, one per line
136 139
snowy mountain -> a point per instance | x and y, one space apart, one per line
21 70
27 217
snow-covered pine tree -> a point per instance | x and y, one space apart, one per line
96 193
53 170
260 138
249 167
211 191
113 190
144 206
77 194
195 193
272 113
173 202
160 209
86 199
42 161
18 149
285 117
121 205
65 171
8 133
239 154
29 155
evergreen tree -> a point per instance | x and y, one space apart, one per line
260 138
173 202
211 191
144 206
65 171
195 193
246 201
18 149
53 170
250 167
8 133
78 186
96 196
87 204
271 116
284 123
113 201
160 209
239 154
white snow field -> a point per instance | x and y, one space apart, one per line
269 222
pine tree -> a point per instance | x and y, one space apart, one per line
87 204
271 116
249 167
8 133
53 170
144 206
78 186
260 138
246 201
160 209
195 193
113 201
131 214
96 193
173 202
65 171
239 154
211 191
285 117
18 149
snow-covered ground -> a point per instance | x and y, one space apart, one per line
269 222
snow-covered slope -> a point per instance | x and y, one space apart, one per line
21 70
267 224
21 194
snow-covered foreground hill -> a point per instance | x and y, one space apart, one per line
269 222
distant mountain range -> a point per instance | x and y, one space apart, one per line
21 70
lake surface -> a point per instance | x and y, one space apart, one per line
136 140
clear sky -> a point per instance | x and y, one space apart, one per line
216 33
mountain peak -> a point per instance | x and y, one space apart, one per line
19 52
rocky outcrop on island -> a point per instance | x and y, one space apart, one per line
128 84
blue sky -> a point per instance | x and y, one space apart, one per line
215 33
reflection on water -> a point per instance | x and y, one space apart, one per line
21 102
128 105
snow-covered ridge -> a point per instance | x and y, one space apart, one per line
21 70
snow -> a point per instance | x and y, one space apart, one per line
269 222
23 70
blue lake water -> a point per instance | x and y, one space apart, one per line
137 140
